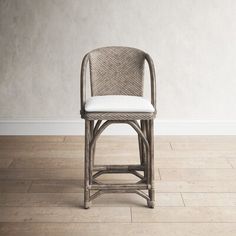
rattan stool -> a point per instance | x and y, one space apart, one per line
116 81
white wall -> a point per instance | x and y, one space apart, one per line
192 42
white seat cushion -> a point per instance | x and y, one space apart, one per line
118 103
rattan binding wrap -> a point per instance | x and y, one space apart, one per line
119 115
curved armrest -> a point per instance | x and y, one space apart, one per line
83 83
153 80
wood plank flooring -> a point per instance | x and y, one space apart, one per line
41 187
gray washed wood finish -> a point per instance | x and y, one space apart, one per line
118 71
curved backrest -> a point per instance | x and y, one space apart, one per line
116 71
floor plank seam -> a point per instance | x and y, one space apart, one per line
75 222
230 163
131 216
29 188
159 173
172 222
123 222
10 164
182 199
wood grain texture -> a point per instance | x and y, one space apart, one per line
14 186
206 174
76 200
4 163
209 199
41 188
63 214
185 214
206 186
117 229
56 186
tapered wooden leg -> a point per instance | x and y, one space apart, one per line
87 166
95 129
140 144
151 191
142 147
91 152
144 150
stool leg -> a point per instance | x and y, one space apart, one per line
87 165
151 191
95 128
141 144
91 153
144 151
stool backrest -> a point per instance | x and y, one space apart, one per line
116 71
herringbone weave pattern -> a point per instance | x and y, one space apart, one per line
119 115
117 71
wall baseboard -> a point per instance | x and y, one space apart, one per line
76 127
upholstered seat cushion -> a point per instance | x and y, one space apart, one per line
118 103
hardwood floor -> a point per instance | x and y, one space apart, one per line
41 187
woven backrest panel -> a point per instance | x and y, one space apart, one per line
117 71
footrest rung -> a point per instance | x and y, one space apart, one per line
118 167
118 187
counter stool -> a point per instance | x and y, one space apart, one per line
117 81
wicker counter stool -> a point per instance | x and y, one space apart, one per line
116 81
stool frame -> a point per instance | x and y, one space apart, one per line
97 122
